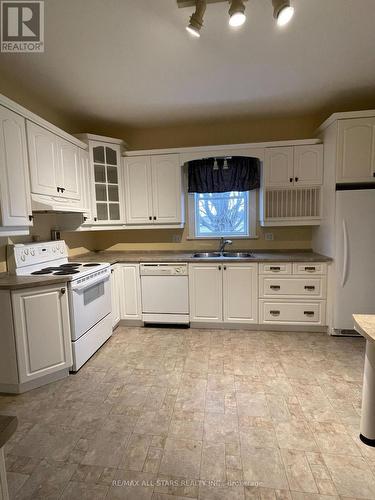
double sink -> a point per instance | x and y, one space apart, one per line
223 255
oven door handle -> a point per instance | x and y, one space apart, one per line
87 285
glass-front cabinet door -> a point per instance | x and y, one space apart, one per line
106 160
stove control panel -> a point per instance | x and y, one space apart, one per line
29 254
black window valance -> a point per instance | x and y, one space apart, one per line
221 175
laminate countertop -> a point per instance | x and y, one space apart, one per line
8 426
152 256
13 282
365 325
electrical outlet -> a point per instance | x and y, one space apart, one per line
268 236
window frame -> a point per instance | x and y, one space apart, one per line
251 217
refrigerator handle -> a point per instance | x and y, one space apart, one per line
346 253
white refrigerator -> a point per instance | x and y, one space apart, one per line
353 287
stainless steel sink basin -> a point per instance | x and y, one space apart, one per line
218 255
238 255
207 255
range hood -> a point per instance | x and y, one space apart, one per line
40 203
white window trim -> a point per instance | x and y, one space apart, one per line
252 219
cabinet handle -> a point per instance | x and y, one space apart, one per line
154 217
84 219
225 268
275 313
275 287
95 219
62 189
296 179
308 313
150 218
290 179
219 268
373 174
31 217
310 269
62 291
307 287
58 189
112 270
273 268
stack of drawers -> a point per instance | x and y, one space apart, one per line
293 293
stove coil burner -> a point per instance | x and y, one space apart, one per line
45 271
65 272
93 264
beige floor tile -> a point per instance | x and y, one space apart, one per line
15 482
295 435
254 405
221 428
176 487
186 425
181 458
105 449
258 438
258 493
351 476
153 422
213 462
264 466
298 471
84 491
207 492
135 455
131 485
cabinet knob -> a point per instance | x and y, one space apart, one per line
373 174
154 217
58 189
62 189
62 291
296 179
290 179
31 217
95 219
219 268
150 218
225 268
84 219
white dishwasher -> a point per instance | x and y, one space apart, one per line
165 293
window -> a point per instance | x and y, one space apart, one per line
223 214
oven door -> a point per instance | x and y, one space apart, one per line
89 303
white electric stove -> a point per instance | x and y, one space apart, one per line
89 292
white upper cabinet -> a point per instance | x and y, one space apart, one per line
69 170
138 191
278 165
43 155
55 169
240 293
289 166
106 160
15 198
308 165
356 150
166 189
153 190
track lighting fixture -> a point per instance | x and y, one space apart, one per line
237 15
282 11
196 20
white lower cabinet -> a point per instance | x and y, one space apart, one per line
42 331
223 292
240 293
115 294
129 286
293 294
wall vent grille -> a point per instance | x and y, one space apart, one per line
301 203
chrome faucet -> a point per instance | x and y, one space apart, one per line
223 244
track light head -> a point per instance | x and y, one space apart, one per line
282 11
196 20
237 15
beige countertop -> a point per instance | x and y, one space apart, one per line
8 426
169 256
13 282
365 325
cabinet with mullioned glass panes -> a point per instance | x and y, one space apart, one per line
107 207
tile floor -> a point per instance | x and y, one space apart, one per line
214 415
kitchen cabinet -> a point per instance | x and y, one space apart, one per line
240 293
89 206
298 166
130 292
43 341
115 294
223 292
15 197
153 190
54 164
356 150
206 292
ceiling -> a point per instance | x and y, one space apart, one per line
132 62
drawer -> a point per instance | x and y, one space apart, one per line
292 313
276 268
309 268
292 287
